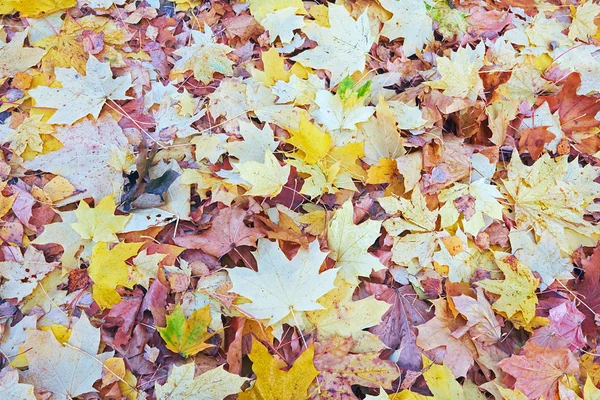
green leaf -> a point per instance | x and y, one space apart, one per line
187 336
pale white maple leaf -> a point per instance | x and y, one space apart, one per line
342 49
88 92
255 144
543 257
283 287
65 370
282 23
409 21
204 57
15 58
84 160
211 385
335 115
23 275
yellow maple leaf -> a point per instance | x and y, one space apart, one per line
36 8
273 68
108 270
64 51
517 290
273 383
265 179
261 8
460 73
313 143
343 317
349 244
187 336
99 223
28 134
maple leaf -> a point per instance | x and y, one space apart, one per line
27 135
187 336
62 233
282 23
100 141
204 58
339 369
262 8
108 270
210 385
460 73
273 383
15 58
264 179
397 325
589 288
382 139
227 232
441 331
89 92
339 112
517 290
99 223
583 25
342 47
65 370
343 317
545 257
145 267
11 389
313 143
255 144
483 324
282 287
410 22
577 113
24 273
38 8
473 201
349 244
538 369
552 195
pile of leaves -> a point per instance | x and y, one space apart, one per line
286 199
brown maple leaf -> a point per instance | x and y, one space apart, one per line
589 290
534 139
576 113
227 232
538 369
